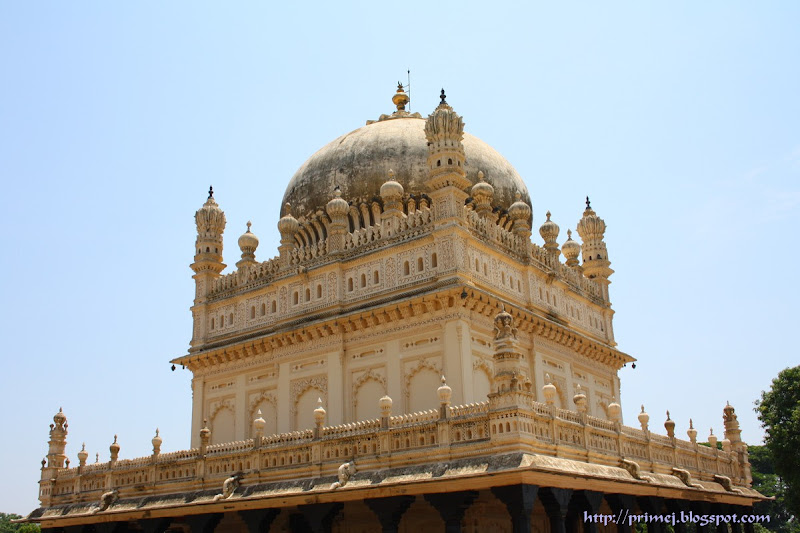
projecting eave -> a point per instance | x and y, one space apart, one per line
457 475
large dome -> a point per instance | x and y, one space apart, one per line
359 163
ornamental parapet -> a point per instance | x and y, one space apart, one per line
508 422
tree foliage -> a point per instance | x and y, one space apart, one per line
779 412
7 527
768 483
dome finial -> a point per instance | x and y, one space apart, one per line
210 192
588 204
400 99
248 226
443 97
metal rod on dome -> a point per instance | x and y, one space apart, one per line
409 89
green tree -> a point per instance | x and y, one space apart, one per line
779 412
768 483
7 527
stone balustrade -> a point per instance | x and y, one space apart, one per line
507 422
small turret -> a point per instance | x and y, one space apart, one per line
596 265
248 243
392 195
520 213
337 209
482 196
288 226
571 251
549 232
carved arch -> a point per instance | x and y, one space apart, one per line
422 364
369 375
256 401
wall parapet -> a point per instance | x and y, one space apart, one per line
508 422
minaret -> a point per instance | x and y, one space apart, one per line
58 441
55 457
596 265
447 180
208 263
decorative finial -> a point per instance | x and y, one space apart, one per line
548 213
668 415
480 175
210 192
588 205
156 432
248 226
569 233
518 197
443 96
400 86
391 174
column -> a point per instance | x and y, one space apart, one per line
556 504
243 421
588 501
203 523
623 505
452 359
336 388
259 520
466 394
451 507
155 525
314 518
389 510
654 506
681 510
198 388
284 407
519 500
394 374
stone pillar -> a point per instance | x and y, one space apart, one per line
519 500
203 523
241 412
681 509
588 501
556 504
284 407
259 520
654 506
315 517
622 505
389 510
198 390
454 358
451 507
111 527
336 388
154 525
394 374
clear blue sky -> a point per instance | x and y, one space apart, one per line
681 120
